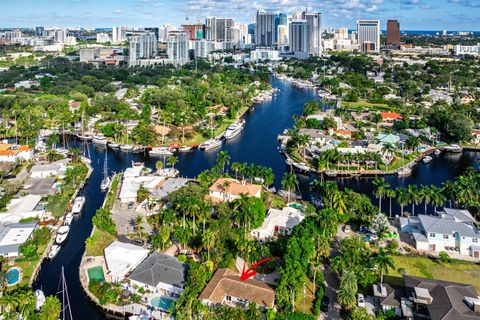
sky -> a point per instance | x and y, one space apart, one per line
453 15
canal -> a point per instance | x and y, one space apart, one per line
256 144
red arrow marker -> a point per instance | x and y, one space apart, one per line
249 272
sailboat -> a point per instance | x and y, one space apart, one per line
66 312
105 184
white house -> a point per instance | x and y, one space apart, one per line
278 222
130 187
452 230
121 258
13 153
160 272
13 235
55 169
24 207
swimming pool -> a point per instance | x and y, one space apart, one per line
96 274
13 276
163 303
297 206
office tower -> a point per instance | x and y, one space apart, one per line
60 36
314 21
164 30
155 31
297 16
368 32
39 31
194 31
341 33
282 19
103 38
141 45
265 33
282 35
393 33
219 30
177 46
119 34
13 36
299 36
202 48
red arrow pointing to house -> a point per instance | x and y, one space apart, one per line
249 272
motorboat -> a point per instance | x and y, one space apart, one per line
405 172
126 147
62 234
453 148
168 172
78 204
39 299
54 251
160 151
68 218
105 184
113 145
211 144
84 137
99 139
138 149
233 130
427 159
185 149
138 164
437 152
85 160
301 166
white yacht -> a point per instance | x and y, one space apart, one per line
185 149
100 139
113 145
85 160
68 218
233 130
39 299
62 234
427 159
211 144
160 151
53 251
84 137
78 205
105 184
405 172
453 148
126 147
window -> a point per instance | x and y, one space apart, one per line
228 298
432 235
445 236
474 239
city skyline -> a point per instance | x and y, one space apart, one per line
412 14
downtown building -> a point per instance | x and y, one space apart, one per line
194 31
119 34
177 47
219 31
368 33
141 45
314 21
266 30
299 35
393 34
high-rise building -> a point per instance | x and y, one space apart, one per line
368 32
282 19
202 48
177 47
314 21
103 37
219 30
155 30
299 35
141 45
282 35
266 32
119 34
13 36
393 33
60 36
164 30
39 31
194 31
341 33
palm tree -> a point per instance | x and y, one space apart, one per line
438 198
415 196
348 289
388 149
384 261
339 202
412 143
236 167
223 159
164 233
427 195
159 165
225 186
208 240
172 161
138 223
289 183
302 142
390 194
51 309
402 197
380 190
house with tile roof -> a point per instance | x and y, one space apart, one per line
226 288
12 153
227 189
160 272
452 230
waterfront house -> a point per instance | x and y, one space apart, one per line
13 235
391 138
13 153
28 206
121 258
226 289
278 222
389 118
55 169
345 134
227 189
159 272
452 230
315 136
421 298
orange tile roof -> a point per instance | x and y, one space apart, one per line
391 115
343 132
226 282
5 149
236 187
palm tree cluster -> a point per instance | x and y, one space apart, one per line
20 304
333 159
253 172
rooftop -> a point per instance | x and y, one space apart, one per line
236 187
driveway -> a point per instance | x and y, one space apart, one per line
331 287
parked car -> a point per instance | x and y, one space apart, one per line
324 304
361 301
347 228
130 205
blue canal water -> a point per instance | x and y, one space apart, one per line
256 144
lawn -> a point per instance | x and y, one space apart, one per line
456 271
97 242
304 301
28 265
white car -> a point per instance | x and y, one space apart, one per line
361 301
